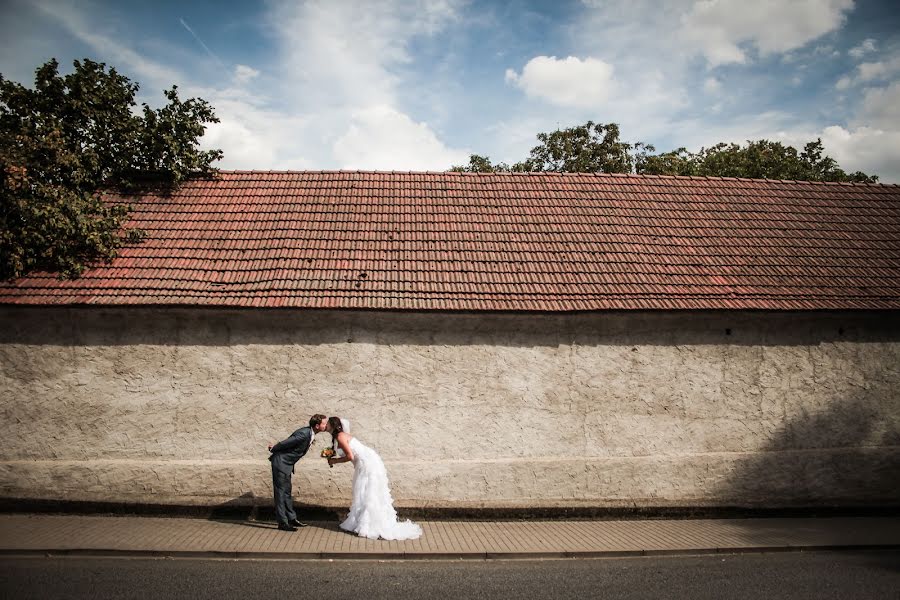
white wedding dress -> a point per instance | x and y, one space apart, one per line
372 513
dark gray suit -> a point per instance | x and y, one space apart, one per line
284 455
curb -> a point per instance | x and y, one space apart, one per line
331 556
264 512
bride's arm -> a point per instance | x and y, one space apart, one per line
344 445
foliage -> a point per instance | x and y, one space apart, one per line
597 148
762 159
589 148
480 164
70 138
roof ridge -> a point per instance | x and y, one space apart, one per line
563 174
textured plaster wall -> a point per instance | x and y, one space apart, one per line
616 409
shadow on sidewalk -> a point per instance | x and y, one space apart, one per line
273 526
243 511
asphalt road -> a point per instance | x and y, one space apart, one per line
792 576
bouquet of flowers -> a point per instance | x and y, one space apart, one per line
328 453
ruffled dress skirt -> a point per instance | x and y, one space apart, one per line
372 513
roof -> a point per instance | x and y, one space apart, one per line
499 242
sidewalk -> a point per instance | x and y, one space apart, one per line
179 537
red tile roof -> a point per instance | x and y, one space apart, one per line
507 242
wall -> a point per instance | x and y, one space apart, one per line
599 410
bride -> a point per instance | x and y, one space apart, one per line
372 513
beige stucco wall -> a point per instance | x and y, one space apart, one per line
614 409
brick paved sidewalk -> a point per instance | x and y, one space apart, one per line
155 536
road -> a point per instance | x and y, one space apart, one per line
794 575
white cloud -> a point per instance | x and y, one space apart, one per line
868 72
867 149
348 53
720 29
336 60
253 136
565 82
879 70
867 46
712 85
826 50
243 74
380 137
881 107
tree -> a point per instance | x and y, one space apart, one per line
676 162
761 159
589 148
65 142
480 164
826 168
596 148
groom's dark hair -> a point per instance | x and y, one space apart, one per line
315 420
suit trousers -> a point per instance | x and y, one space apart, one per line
284 504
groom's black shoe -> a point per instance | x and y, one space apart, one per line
286 527
297 523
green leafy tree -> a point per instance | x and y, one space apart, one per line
69 139
597 148
480 164
589 148
676 162
761 159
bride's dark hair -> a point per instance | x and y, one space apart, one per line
336 428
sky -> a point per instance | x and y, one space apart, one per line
422 84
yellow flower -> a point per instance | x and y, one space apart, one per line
327 453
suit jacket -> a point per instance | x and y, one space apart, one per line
287 452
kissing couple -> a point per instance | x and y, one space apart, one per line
372 513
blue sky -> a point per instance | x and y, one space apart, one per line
421 84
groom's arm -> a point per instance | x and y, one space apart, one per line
301 436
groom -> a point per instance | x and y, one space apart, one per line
284 455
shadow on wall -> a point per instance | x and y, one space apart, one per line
841 461
222 328
246 509
848 454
